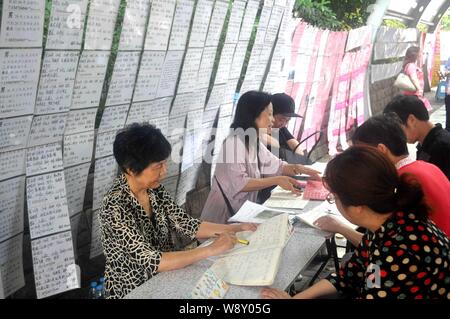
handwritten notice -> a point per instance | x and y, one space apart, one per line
226 58
234 25
177 124
216 23
74 225
182 104
65 29
170 184
249 20
216 97
12 193
22 23
238 59
44 159
14 133
78 148
104 175
57 81
159 24
47 129
274 24
54 264
96 242
149 73
19 76
11 263
105 141
186 183
206 67
200 100
76 178
190 69
89 81
100 24
47 204
162 123
80 121
180 26
169 75
12 163
200 25
123 78
134 23
145 111
113 118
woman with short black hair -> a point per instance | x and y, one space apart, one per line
245 167
403 254
138 214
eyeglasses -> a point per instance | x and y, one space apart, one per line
330 198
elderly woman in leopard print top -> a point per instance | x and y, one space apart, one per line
137 215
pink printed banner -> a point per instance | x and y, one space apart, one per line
304 88
334 50
339 104
356 97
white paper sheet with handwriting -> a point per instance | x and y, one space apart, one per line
257 263
324 209
281 198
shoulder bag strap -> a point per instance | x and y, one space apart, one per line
227 202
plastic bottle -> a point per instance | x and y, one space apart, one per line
102 282
92 290
99 292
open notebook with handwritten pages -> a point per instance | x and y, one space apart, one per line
256 264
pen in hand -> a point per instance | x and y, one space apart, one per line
241 241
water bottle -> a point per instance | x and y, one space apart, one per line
92 290
99 292
102 282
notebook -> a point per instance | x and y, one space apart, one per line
256 264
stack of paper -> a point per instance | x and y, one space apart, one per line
281 198
254 213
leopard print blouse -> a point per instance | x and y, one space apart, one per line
132 241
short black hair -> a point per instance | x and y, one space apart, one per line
139 145
384 129
404 105
250 105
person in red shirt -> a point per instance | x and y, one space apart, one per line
385 133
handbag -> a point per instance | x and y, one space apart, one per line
403 82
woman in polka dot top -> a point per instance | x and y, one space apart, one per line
403 255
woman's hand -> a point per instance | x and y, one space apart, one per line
289 183
300 169
247 227
329 224
223 243
272 293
